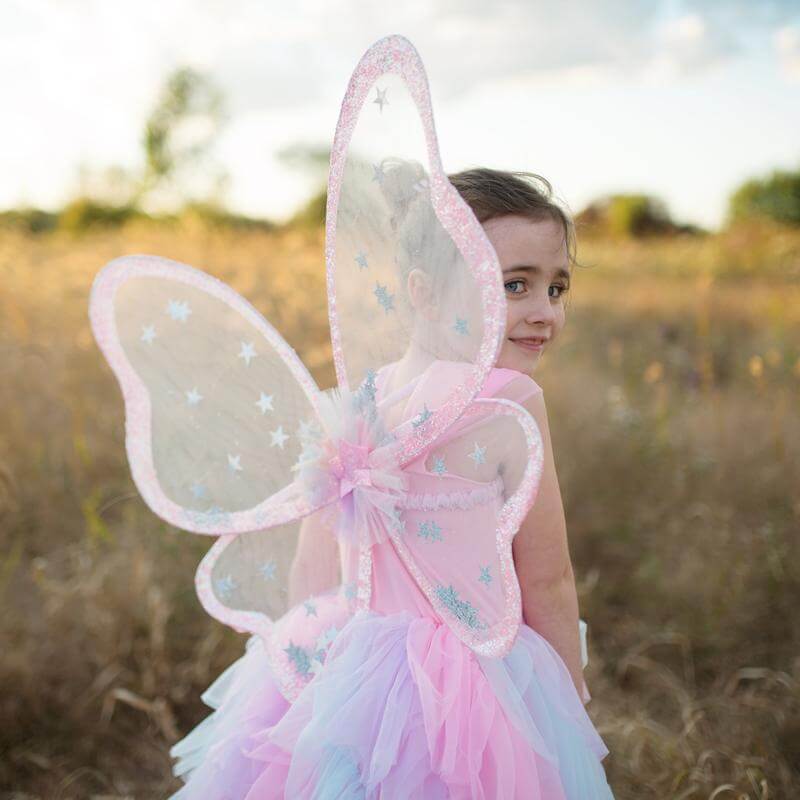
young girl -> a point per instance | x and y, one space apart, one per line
402 707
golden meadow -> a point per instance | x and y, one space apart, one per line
673 402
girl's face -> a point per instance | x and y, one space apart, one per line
533 256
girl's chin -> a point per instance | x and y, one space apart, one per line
522 362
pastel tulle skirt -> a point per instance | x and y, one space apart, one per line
401 709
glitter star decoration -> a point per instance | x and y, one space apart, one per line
264 402
380 99
384 298
430 530
438 465
462 609
309 429
460 326
234 463
278 437
225 585
268 569
148 333
193 397
368 388
377 173
197 490
179 310
361 260
299 657
478 455
311 609
422 417
247 352
485 577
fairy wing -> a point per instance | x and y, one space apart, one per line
218 407
412 277
467 498
217 403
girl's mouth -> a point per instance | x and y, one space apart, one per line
533 343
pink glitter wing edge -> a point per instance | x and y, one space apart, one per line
396 54
498 640
138 411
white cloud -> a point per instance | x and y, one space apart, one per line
787 45
687 44
78 77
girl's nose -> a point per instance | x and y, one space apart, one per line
541 310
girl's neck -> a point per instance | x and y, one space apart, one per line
412 364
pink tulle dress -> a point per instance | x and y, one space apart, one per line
402 707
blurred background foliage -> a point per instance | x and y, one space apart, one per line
672 395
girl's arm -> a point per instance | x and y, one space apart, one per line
541 557
315 567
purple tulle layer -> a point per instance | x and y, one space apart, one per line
401 709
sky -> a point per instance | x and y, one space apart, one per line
680 99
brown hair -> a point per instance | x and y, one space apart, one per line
492 193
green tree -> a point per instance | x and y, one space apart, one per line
628 215
776 197
178 137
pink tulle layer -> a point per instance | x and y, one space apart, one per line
401 709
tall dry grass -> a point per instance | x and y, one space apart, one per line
673 402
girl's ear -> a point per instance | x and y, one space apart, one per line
419 291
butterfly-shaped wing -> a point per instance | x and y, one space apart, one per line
411 274
218 408
469 496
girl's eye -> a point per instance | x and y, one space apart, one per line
518 287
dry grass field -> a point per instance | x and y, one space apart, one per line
674 402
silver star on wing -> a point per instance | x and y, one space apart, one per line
381 98
264 402
384 298
225 585
478 455
179 310
423 416
268 569
438 465
378 173
361 260
485 576
311 609
148 333
248 352
233 463
430 530
193 397
460 326
197 490
278 437
308 430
